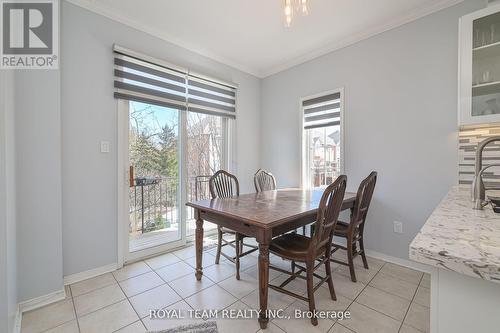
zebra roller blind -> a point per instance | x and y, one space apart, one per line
210 97
322 111
141 80
138 77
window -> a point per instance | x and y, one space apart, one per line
322 139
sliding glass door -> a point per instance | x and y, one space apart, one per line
154 184
170 156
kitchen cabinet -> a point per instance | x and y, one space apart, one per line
479 67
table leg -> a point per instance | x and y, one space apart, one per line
199 246
263 283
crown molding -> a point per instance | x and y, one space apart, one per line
362 35
97 8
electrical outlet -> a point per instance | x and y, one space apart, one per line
398 227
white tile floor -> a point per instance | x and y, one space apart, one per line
387 298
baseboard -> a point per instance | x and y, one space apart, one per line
35 303
38 302
74 278
17 321
399 261
59 295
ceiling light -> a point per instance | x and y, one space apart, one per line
293 6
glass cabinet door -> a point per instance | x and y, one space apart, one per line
479 52
486 66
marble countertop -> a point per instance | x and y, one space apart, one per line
460 239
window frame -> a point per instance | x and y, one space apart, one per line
304 136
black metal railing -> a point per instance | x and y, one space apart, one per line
154 201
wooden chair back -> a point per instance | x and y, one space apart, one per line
223 185
264 181
328 213
363 200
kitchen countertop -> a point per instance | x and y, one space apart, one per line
460 239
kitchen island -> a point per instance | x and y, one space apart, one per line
463 247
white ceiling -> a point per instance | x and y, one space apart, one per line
250 34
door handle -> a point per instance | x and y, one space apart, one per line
131 176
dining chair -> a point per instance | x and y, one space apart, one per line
264 181
303 249
353 231
225 185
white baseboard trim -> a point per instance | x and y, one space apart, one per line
35 303
400 261
40 301
73 278
17 321
59 295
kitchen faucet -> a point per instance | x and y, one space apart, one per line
478 188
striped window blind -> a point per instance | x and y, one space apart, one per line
209 97
322 111
138 77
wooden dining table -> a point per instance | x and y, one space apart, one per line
261 215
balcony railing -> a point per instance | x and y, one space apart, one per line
154 201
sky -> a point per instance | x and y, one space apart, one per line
159 116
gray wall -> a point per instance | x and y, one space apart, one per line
3 217
38 182
400 119
8 264
89 115
30 196
12 293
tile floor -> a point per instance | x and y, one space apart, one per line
387 298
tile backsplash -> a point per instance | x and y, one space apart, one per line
467 143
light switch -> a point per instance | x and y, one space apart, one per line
104 146
398 227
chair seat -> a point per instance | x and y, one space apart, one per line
292 246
